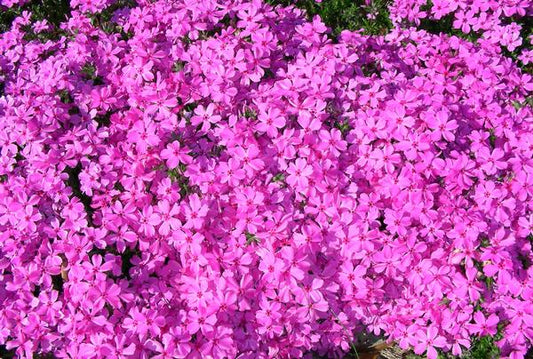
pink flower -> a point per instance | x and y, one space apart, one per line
203 319
205 116
299 173
491 161
385 158
220 343
143 135
201 180
168 215
352 278
174 154
429 339
269 312
333 141
136 323
195 212
27 218
231 172
270 266
271 120
148 220
441 126
484 325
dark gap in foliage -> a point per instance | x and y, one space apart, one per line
382 224
74 183
96 250
89 72
57 283
445 26
126 261
6 19
55 11
4 353
104 120
65 97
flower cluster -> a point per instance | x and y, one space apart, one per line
215 179
497 22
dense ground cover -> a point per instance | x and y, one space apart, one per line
232 178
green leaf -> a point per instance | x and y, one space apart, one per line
251 239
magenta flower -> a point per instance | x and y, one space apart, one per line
429 340
174 154
231 172
27 218
148 220
299 173
484 325
270 266
205 116
168 215
271 120
202 319
195 212
442 127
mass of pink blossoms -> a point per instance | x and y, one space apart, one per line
210 179
495 21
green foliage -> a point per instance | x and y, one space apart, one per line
178 175
343 126
65 97
90 73
217 150
251 239
103 21
250 113
6 18
483 348
103 120
280 177
527 102
445 26
55 11
126 260
178 66
526 23
347 14
492 138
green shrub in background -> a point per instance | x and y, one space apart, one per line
371 16
337 14
55 11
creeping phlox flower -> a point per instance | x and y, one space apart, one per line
212 179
